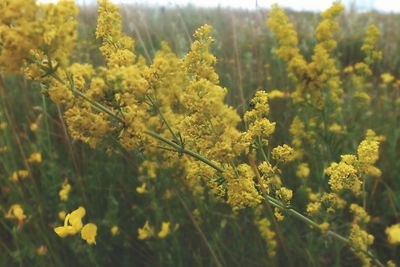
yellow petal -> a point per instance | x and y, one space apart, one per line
89 232
61 231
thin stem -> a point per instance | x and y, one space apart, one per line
201 233
183 150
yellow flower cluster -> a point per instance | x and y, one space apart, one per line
147 231
310 78
329 202
369 46
360 215
17 33
86 125
288 43
344 175
208 121
116 47
241 187
361 70
268 234
18 175
387 78
347 173
283 153
303 170
360 240
258 124
73 224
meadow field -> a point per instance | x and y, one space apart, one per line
147 136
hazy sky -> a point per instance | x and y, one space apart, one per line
315 5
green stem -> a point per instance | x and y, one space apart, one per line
183 150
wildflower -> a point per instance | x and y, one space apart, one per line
241 188
276 94
335 128
86 125
268 234
199 62
278 215
393 234
360 240
387 78
72 223
114 230
116 47
16 212
259 125
313 207
303 170
89 232
33 127
61 215
35 158
284 194
165 230
17 175
324 227
343 176
141 189
360 215
145 232
64 192
288 41
369 46
283 153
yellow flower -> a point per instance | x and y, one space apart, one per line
165 230
324 227
145 232
360 215
64 192
283 153
387 78
359 241
393 233
303 171
72 223
33 127
17 175
114 230
276 94
62 215
141 189
278 215
89 232
16 212
313 207
268 234
335 128
35 158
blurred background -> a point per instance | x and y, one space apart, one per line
309 5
